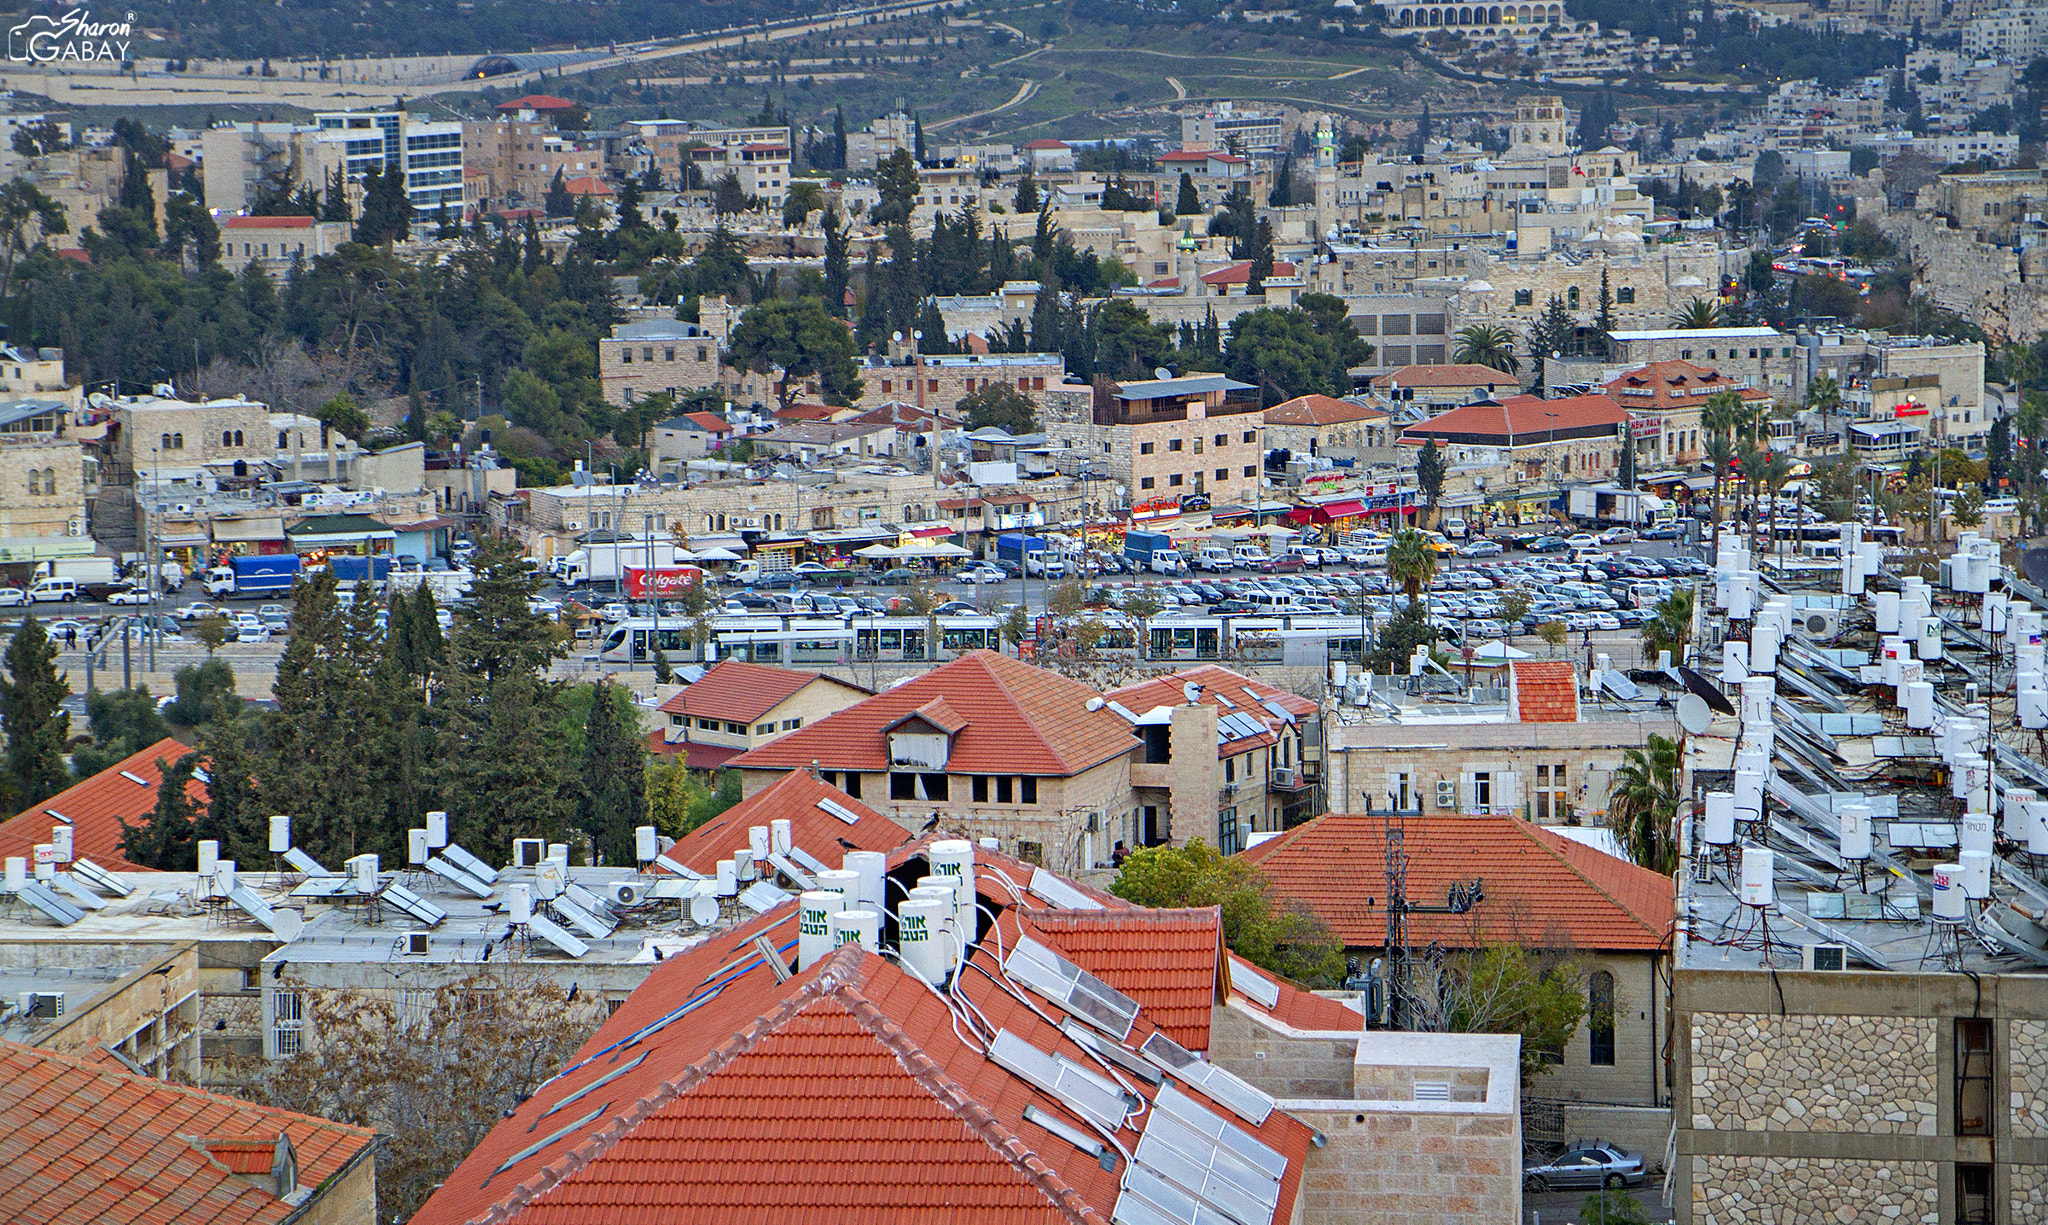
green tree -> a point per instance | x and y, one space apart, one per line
999 405
805 197
1026 199
1670 625
1643 808
556 201
32 713
122 722
1281 352
1699 315
202 688
166 839
1189 202
1284 938
211 631
897 184
1411 562
1612 1207
611 799
1503 989
1514 605
387 210
1429 475
796 339
1485 345
235 815
27 216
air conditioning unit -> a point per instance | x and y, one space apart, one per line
624 893
416 944
1817 622
42 1005
1283 776
528 852
1823 957
1446 793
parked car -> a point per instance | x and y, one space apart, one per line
1617 535
979 574
901 576
128 595
1663 531
1592 1165
1481 548
12 597
1547 544
192 612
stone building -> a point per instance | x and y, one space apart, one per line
1000 748
278 242
654 356
1521 452
737 706
1318 425
1672 394
1440 386
938 382
518 154
1181 439
45 476
139 1000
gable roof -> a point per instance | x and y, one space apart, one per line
743 692
1314 409
1240 273
87 1142
1675 384
1046 142
849 1093
1295 1008
1542 889
1230 693
1440 375
1016 719
96 808
710 422
536 102
795 797
1526 419
1168 960
1543 691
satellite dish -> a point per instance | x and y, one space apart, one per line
1693 714
1161 372
896 336
703 911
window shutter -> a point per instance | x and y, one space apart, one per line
1507 792
1392 795
1468 791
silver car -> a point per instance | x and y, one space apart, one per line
1587 1165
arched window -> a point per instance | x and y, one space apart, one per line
1571 297
238 438
177 442
167 443
227 438
35 481
49 480
1600 1019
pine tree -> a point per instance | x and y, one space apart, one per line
612 793
235 816
839 138
558 202
1189 204
136 193
334 204
167 839
499 635
31 710
1026 198
838 265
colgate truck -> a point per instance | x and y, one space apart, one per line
661 582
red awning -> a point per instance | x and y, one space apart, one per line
925 533
1331 511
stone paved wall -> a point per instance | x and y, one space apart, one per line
1796 1191
1411 1169
1283 1066
2029 1193
1869 1075
2029 1080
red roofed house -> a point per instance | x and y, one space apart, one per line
990 744
89 1142
1223 766
1325 425
842 1088
96 808
739 706
818 823
275 242
688 436
1524 445
1673 393
588 185
546 104
1542 890
1043 155
1445 386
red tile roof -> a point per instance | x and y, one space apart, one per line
743 692
1543 691
1046 143
268 223
1296 1009
243 1154
1445 376
536 102
1015 719
1188 155
1167 960
97 807
1321 410
695 755
711 422
587 185
793 798
1676 384
1240 273
849 1094
1228 692
1542 889
86 1142
1527 419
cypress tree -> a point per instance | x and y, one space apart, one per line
1190 201
167 840
612 795
31 710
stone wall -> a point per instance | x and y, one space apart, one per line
2028 1079
1281 1064
2029 1194
1445 1167
1746 1190
1868 1075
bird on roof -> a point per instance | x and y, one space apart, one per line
278 973
575 989
928 825
657 952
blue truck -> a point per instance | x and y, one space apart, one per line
350 569
254 577
1031 555
1153 552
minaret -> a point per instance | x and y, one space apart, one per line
1326 177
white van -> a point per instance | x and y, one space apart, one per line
1248 554
1309 554
1454 527
1271 601
54 590
1214 558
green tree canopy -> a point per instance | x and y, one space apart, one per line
797 339
32 713
1287 939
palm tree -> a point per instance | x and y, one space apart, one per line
1720 452
1772 475
1411 562
1750 457
1700 315
1724 413
1824 396
1670 629
1644 807
1485 345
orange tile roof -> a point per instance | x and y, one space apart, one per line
1321 410
1675 384
794 797
1240 273
848 1095
1528 419
1543 691
1296 1009
536 102
249 1154
1220 685
1542 889
97 807
267 223
1016 719
743 692
86 1142
1167 960
1456 375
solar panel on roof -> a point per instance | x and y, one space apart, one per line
324 886
470 864
457 877
762 897
585 899
83 896
1072 988
284 923
1223 1087
581 919
99 878
1233 1190
39 896
677 868
810 862
546 930
789 869
840 810
1062 1080
413 904
1207 1122
1280 712
1256 986
306 864
1111 1051
1053 889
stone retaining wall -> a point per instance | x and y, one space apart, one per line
1868 1075
1796 1191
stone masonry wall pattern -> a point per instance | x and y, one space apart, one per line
1871 1075
2029 1193
2029 1081
1796 1191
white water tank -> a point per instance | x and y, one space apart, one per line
1970 573
416 851
17 873
1734 661
1976 866
953 858
746 869
1720 818
2033 709
1919 705
1994 612
519 902
779 837
1855 832
1950 903
728 878
1911 670
1974 833
209 856
839 880
1887 604
280 834
366 873
1853 573
1764 640
2037 828
814 911
1741 594
437 829
1759 865
1760 740
858 926
923 937
224 877
1758 692
1967 779
2014 807
46 862
61 843
869 868
1930 638
1749 795
757 841
646 843
2030 657
1890 652
559 852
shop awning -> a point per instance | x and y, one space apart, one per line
925 533
1344 509
763 546
848 535
237 531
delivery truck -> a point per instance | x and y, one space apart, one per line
1153 552
350 569
663 582
250 578
604 565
